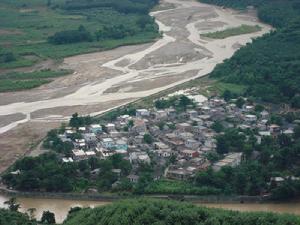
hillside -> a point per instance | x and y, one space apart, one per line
158 212
270 66
14 218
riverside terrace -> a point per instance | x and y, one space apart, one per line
178 141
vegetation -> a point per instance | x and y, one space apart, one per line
243 29
48 173
269 66
6 57
160 212
71 36
8 217
179 187
48 218
21 81
12 204
36 30
276 157
178 102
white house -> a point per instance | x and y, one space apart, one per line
232 160
142 113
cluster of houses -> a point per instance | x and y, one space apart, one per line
178 141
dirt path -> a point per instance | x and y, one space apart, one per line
132 72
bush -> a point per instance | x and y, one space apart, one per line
71 36
159 212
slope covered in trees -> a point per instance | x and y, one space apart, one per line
8 217
270 66
158 212
47 173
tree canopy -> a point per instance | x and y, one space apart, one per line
159 212
8 217
270 65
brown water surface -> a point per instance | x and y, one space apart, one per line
61 206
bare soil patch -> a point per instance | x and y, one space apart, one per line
20 141
10 32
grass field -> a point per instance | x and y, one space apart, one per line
243 29
27 24
23 81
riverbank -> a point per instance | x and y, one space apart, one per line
116 196
61 206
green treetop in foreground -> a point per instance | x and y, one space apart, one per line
8 217
159 212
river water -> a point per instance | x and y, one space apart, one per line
61 206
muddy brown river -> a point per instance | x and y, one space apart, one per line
61 207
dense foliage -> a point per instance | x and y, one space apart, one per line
158 212
8 217
71 36
125 6
274 157
48 173
7 57
270 66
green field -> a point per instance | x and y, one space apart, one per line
243 29
26 26
22 81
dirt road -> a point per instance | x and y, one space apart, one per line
107 79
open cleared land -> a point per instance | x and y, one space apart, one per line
17 81
113 78
28 25
244 29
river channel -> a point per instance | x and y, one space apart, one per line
61 206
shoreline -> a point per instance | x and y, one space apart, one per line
221 199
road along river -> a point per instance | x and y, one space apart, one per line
61 207
124 75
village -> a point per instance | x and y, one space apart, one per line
178 141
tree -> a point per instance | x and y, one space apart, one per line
259 108
222 145
296 102
212 156
12 204
240 102
297 132
143 21
75 121
7 57
130 123
227 95
71 36
148 139
217 126
184 101
48 217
